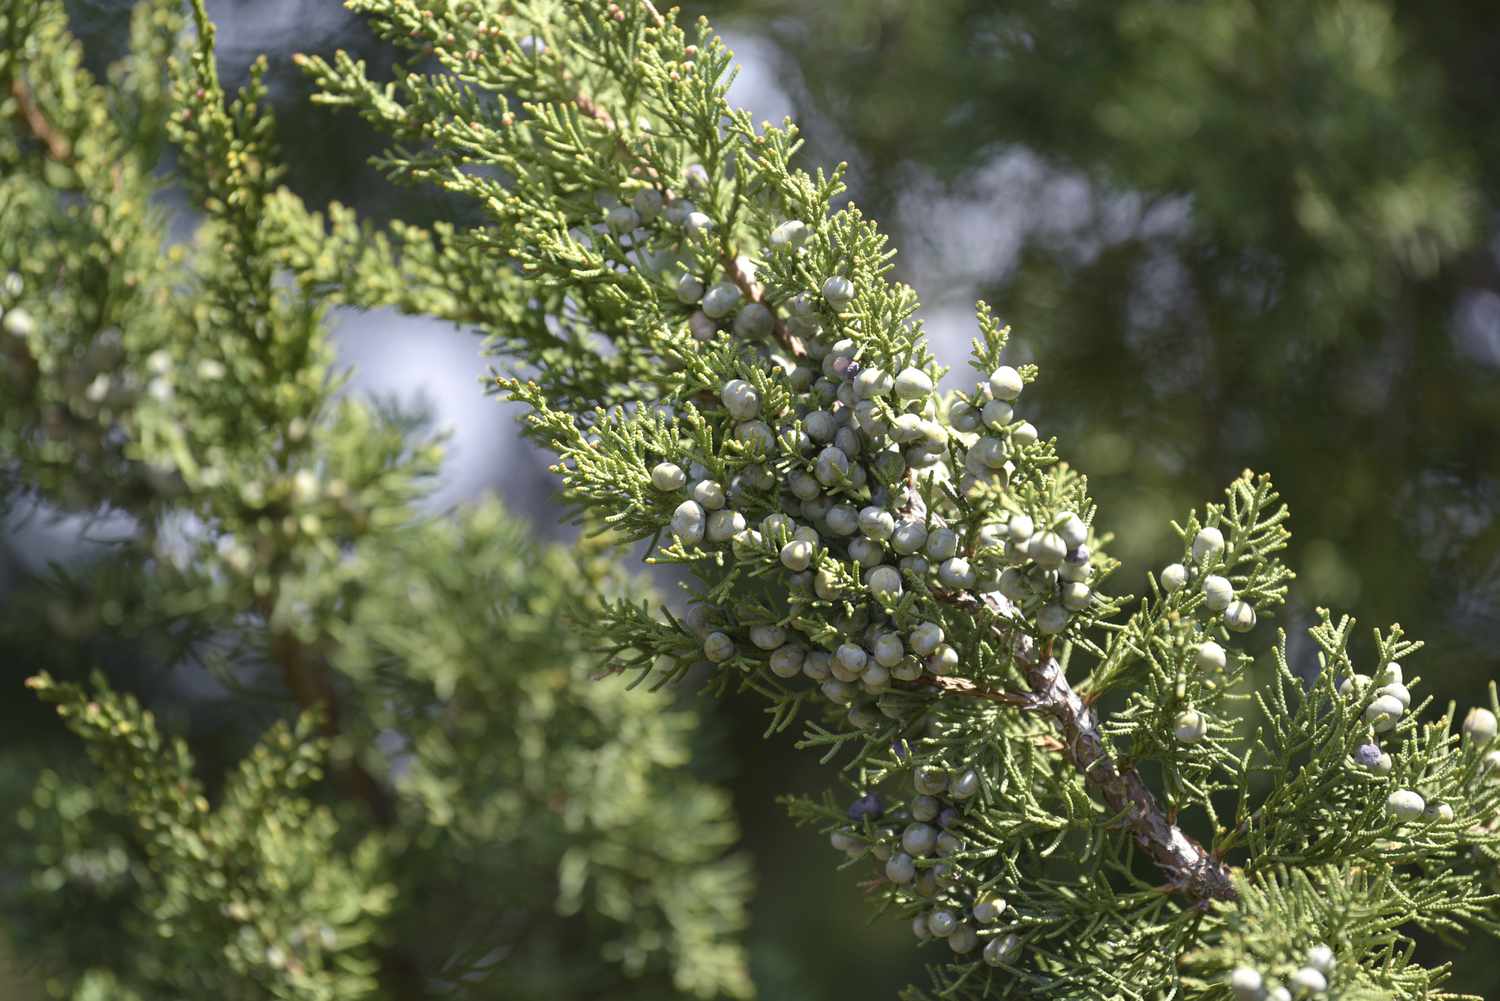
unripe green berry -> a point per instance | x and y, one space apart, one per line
944 660
912 384
965 785
909 537
1024 433
767 637
1001 950
925 638
786 661
1075 596
884 583
1438 812
1308 981
930 781
955 574
718 647
964 939
919 839
1072 529
987 910
924 808
996 414
792 233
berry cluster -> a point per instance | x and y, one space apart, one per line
1309 980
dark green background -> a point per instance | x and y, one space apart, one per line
1233 234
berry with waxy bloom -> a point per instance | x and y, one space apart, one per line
838 291
1479 725
1006 383
1217 592
1174 577
668 476
1404 804
1207 543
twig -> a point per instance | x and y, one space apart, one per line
31 116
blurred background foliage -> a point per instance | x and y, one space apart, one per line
1233 234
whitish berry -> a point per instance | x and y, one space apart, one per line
955 573
1005 383
703 329
1212 657
987 910
1052 619
709 494
1048 550
786 662
926 638
698 224
964 939
832 466
930 781
1279 994
1479 725
1384 712
919 928
718 647
838 291
797 555
965 785
1389 675
688 522
766 637
740 399
912 384
1354 684
815 665
1438 811
996 414
18 323
725 525
720 300
900 868
872 382
840 692
1247 984
1013 585
1020 527
1403 804
1189 727
1308 981
1209 542
1320 958
877 523
949 844
1217 592
1174 577
866 552
754 320
942 922
1399 692
999 951
943 660
792 233
531 46
668 476
1072 529
909 537
842 520
1075 596
917 566
919 839
884 583
1239 617
647 203
1024 433
941 544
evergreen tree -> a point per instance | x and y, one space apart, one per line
1079 792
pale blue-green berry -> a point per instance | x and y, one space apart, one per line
919 928
1005 383
1024 433
944 660
842 520
786 661
866 552
832 466
1013 585
851 657
803 486
797 555
753 320
1403 804
1072 529
647 203
869 419
1389 675
718 647
12 285
740 399
877 523
1020 527
941 543
910 669
872 382
777 524
792 233
930 781
965 785
816 665
900 868
964 417
1052 619
1239 617
709 493
964 939
1217 592
720 300
1190 727
767 637
1479 725
689 289
1383 765
844 840
1001 950
988 453
909 537
991 536
1211 656
1174 577
839 692
1438 812
1399 692
864 717
1075 596
876 678
838 291
848 441
884 583
698 224
942 922
996 414
1247 984
668 476
955 573
18 323
1307 981
906 428
926 638
1078 573
926 885
688 522
1209 542
922 456
924 807
816 507
622 218
821 426
842 673
912 384
1320 958
919 839
531 46
987 909
1047 549
1384 712
917 566
703 329
725 525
